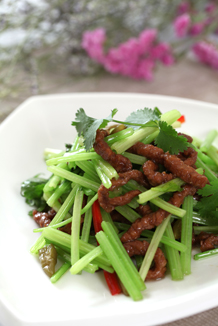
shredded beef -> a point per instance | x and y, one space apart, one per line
43 218
143 209
154 177
184 171
189 138
149 221
172 163
137 247
149 151
108 204
189 156
207 241
118 161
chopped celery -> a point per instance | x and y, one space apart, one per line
75 227
87 222
125 278
168 207
60 272
149 234
186 234
206 254
84 182
153 247
102 176
80 264
206 144
173 257
122 254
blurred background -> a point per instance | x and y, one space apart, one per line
144 46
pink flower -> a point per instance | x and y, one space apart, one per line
196 28
92 42
210 7
206 53
183 7
144 70
182 24
163 53
146 40
134 58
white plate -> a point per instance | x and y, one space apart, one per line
26 295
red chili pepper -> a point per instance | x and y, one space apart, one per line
181 119
111 278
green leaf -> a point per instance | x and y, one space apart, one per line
143 116
32 190
209 202
87 126
169 140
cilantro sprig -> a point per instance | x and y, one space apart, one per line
168 139
208 204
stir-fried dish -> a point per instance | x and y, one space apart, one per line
129 198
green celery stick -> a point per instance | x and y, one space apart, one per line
112 138
89 203
168 207
206 254
172 185
63 255
102 176
75 227
206 144
80 264
186 235
73 157
109 170
122 254
60 272
134 158
122 145
77 179
212 152
107 218
206 228
128 213
87 223
59 191
173 257
153 247
88 167
64 239
58 217
149 234
119 268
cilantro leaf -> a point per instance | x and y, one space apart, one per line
87 126
32 190
169 140
209 202
143 116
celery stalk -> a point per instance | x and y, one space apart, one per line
173 257
122 254
186 234
60 272
168 207
87 223
153 247
84 182
119 268
75 227
80 264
